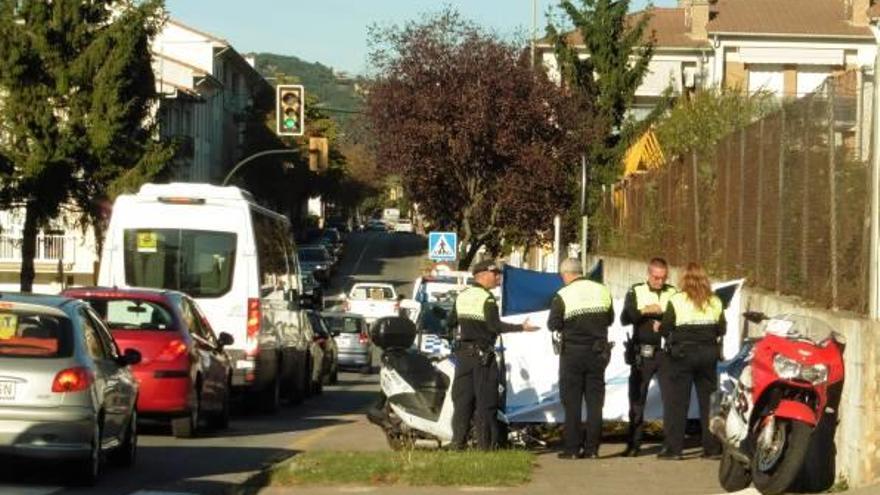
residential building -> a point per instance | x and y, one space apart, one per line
209 91
785 47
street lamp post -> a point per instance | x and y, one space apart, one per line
253 157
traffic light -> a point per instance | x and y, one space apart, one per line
289 107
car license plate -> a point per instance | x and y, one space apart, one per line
7 390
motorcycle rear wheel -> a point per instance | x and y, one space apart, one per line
793 438
733 474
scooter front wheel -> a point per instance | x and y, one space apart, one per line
733 474
779 456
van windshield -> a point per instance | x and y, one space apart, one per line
199 263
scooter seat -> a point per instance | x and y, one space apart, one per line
417 370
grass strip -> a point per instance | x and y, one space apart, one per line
412 467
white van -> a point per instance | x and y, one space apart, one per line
236 258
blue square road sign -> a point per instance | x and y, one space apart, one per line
442 246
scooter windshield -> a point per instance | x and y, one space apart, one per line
798 327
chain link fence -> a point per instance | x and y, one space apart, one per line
783 202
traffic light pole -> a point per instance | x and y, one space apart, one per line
253 157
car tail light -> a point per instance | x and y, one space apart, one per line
173 350
363 338
72 380
254 320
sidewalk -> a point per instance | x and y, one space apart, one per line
609 475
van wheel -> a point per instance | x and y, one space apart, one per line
270 397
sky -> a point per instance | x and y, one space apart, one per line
334 32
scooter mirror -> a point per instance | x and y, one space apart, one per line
755 316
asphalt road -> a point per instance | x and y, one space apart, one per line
220 461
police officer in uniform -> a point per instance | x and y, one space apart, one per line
475 388
692 326
643 308
581 312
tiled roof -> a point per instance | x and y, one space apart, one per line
667 26
786 17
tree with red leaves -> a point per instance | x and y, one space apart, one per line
484 143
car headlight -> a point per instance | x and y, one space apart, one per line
320 267
816 374
787 369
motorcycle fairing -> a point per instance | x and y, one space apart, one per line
427 385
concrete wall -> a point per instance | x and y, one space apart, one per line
858 434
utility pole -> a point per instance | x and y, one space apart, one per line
584 223
534 29
874 244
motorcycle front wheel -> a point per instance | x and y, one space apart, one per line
776 464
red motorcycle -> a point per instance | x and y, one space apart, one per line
777 401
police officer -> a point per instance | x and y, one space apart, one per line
475 388
643 309
693 326
581 312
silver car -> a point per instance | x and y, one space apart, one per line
66 392
352 339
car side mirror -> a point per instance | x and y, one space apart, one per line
130 357
224 339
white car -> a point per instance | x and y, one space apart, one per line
403 225
372 301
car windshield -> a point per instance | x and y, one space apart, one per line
432 319
798 327
132 314
344 324
374 292
312 255
197 262
26 334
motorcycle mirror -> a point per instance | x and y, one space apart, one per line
755 316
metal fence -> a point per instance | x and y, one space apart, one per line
783 202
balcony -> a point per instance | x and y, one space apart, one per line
50 249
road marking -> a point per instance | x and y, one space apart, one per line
357 263
29 490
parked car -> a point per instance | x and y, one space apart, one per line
185 376
403 225
66 392
327 367
332 237
433 335
316 261
352 339
313 289
236 259
372 301
376 225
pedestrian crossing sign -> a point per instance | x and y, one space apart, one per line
442 246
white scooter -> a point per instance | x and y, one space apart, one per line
416 400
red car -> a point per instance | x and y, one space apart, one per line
184 374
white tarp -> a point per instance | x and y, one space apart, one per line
533 369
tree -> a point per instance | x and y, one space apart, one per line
619 50
698 123
483 143
77 89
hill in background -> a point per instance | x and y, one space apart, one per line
334 90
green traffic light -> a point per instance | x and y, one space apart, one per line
290 123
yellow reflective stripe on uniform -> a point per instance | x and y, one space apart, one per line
686 313
470 303
646 297
584 297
